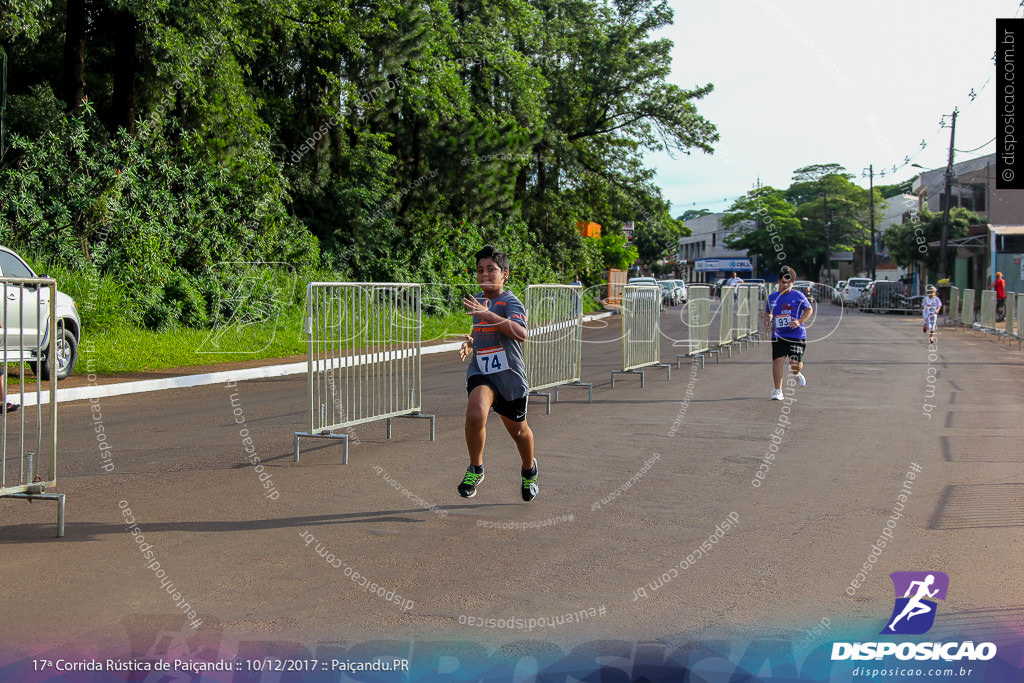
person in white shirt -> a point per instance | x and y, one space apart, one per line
930 307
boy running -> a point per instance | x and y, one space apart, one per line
496 376
930 307
785 313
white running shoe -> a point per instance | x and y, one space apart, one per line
800 379
776 395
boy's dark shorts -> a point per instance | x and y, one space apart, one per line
793 348
514 410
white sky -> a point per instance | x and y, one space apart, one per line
801 82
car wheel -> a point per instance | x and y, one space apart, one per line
66 356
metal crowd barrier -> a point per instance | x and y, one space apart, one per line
726 313
554 346
967 308
641 331
987 320
740 315
28 454
1011 304
953 310
364 352
698 323
889 298
752 331
1019 315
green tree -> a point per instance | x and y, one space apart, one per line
616 252
690 214
907 244
657 240
607 101
765 225
384 141
834 210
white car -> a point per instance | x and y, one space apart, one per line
854 287
837 293
647 282
682 288
25 320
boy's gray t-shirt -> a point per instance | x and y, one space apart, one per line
496 355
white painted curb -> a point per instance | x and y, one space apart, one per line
186 381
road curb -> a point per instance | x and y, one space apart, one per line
187 381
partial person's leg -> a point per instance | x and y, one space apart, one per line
778 365
523 437
479 405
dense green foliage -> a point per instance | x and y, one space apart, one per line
908 243
821 213
167 147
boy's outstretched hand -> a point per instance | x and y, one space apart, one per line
474 307
466 349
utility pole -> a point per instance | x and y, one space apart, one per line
871 196
943 244
828 252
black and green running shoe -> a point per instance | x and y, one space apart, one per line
467 489
530 488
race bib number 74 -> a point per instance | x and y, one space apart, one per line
491 360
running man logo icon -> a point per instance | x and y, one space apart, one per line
913 612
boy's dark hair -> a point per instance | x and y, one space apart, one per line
786 270
499 257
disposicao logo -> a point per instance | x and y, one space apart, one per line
914 612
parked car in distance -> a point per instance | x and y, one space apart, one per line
642 281
647 282
882 296
684 295
25 317
853 288
837 293
805 286
670 294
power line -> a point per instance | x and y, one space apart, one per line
908 159
969 151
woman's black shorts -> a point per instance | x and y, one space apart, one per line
793 348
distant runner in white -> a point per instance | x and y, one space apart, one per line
930 307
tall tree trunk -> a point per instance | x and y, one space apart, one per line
125 65
74 56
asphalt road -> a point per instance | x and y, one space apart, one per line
631 485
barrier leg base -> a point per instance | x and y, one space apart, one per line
415 415
546 397
717 354
667 367
628 372
59 497
579 385
693 358
325 435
